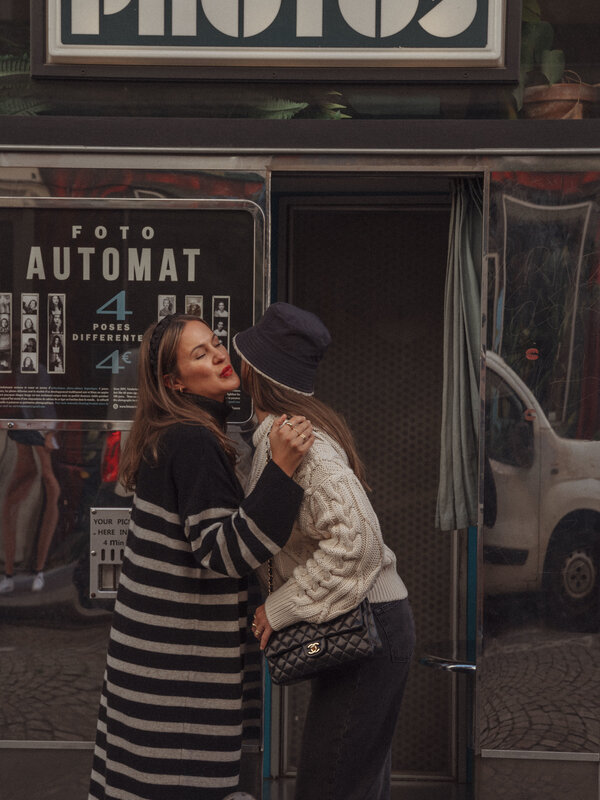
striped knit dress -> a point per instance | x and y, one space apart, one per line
170 721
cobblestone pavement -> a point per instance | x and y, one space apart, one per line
51 669
50 681
539 689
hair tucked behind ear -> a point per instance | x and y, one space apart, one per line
158 406
275 399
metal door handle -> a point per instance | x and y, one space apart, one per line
447 664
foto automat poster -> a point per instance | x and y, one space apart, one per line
81 284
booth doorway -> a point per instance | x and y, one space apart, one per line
368 254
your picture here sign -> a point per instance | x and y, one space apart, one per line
80 285
277 32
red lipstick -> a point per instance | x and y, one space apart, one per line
227 371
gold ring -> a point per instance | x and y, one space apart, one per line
302 435
287 422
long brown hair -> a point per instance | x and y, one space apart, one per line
159 406
276 399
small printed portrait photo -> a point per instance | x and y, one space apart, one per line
5 337
194 305
5 303
166 304
29 324
56 364
5 360
57 345
56 312
30 304
222 332
29 344
29 364
220 307
56 324
56 354
56 303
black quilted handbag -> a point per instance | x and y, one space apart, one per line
304 649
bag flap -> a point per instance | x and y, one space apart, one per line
301 633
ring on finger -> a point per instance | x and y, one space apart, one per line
287 422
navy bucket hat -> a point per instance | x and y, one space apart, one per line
285 346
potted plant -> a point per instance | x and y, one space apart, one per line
546 89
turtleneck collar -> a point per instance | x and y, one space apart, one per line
220 411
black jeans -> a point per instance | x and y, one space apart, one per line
352 714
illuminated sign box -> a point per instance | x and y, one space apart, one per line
282 34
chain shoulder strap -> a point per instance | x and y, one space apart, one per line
270 561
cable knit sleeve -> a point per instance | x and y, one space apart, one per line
346 561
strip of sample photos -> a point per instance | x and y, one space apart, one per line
221 317
30 333
5 331
56 332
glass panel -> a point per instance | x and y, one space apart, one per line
53 636
541 535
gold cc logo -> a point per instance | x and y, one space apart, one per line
314 648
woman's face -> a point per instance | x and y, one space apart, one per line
203 365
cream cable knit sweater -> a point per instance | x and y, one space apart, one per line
335 555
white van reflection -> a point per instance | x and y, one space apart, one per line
542 505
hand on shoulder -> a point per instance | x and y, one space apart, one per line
290 440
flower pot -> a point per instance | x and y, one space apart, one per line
559 101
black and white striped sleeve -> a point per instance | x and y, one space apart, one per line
226 536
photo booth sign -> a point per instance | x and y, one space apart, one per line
82 281
288 35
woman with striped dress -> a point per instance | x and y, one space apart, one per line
170 720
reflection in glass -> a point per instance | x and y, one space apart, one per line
53 635
543 254
541 532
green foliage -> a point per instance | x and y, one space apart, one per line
14 65
531 11
320 106
328 107
278 109
537 55
16 92
21 106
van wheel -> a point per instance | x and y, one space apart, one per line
573 581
